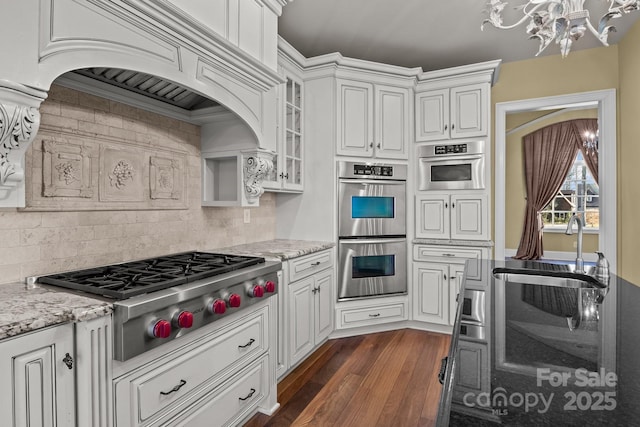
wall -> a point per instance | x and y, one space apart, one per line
614 67
515 186
628 157
35 243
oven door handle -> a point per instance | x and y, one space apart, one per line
454 158
371 241
372 181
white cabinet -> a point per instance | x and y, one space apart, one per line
437 277
309 304
456 216
226 371
288 170
37 378
436 287
372 120
365 313
449 113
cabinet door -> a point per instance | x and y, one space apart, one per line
301 329
469 111
431 283
469 217
292 142
432 115
392 122
472 369
323 310
355 119
432 217
37 386
456 271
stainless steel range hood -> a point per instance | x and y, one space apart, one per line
150 86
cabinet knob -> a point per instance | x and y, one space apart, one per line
68 360
453 126
445 277
453 205
446 205
281 175
371 144
446 127
378 145
286 175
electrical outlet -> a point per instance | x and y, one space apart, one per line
247 216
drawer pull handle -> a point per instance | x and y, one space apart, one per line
315 264
251 341
173 390
448 255
253 390
375 315
443 370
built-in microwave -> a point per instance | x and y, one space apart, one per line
457 166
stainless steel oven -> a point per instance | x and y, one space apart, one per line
372 247
457 166
371 200
372 267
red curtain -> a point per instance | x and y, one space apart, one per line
549 154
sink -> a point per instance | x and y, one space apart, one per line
560 275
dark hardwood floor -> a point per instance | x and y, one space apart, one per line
384 379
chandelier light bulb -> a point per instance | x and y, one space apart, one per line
564 21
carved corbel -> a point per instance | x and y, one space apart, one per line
19 123
257 165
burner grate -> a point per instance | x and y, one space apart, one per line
122 281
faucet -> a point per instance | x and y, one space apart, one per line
569 232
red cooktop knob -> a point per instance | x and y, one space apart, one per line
218 306
234 300
161 329
257 291
270 286
185 319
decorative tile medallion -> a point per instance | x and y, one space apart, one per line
121 175
66 169
165 178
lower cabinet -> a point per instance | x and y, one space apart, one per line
436 288
437 275
37 379
371 312
217 379
310 306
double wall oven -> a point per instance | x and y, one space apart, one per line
372 241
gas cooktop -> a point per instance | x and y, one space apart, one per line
122 281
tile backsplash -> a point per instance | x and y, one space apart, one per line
36 243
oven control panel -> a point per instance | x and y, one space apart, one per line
372 170
450 149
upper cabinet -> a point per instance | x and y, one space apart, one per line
372 120
449 113
288 173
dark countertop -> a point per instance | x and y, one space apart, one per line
531 369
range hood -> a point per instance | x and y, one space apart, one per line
148 85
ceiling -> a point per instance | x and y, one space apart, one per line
420 33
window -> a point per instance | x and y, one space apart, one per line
580 194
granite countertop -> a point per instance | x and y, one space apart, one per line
550 355
443 242
23 310
281 249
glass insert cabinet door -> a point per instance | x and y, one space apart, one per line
293 134
288 173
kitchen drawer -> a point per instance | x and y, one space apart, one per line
231 402
452 255
307 265
366 316
182 377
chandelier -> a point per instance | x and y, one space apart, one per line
590 142
564 21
